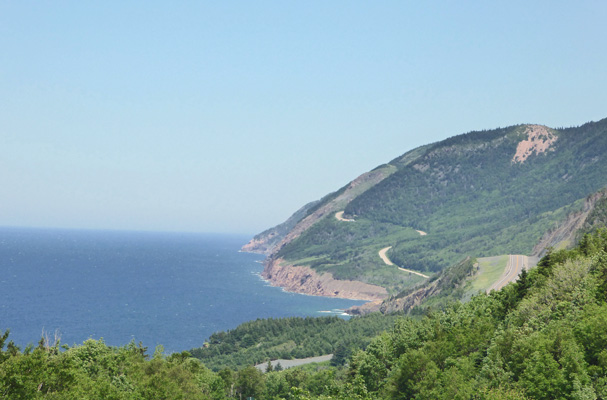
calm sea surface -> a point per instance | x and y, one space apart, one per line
159 288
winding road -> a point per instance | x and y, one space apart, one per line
382 253
513 268
384 257
340 217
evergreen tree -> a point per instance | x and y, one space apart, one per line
269 367
340 355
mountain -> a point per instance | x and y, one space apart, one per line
266 241
403 224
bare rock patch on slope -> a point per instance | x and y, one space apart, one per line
539 139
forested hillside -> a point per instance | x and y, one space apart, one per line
478 194
262 340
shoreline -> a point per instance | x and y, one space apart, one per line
285 290
304 280
324 285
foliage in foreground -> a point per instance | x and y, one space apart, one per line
97 371
544 337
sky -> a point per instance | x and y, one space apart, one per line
208 116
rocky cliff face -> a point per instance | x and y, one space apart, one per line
259 245
565 234
305 280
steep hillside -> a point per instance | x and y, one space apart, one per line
273 239
479 194
566 233
267 240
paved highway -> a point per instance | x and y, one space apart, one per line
515 265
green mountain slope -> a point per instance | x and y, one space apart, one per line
265 241
479 194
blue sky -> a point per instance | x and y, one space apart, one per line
228 116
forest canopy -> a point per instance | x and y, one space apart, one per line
543 337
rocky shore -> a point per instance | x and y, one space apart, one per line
305 280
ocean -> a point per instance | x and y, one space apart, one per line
173 289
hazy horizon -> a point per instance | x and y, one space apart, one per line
228 117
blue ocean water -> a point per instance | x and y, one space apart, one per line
159 288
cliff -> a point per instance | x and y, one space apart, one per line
305 280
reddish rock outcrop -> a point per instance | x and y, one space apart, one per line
259 245
305 280
539 139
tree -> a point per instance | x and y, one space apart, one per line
522 284
227 376
249 382
2 340
269 367
340 355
